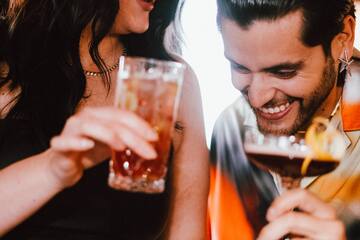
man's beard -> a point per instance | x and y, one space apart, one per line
309 106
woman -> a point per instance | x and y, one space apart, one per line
58 124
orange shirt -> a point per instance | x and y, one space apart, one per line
227 217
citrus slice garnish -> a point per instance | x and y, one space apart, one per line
324 141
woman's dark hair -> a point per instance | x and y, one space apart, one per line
39 42
322 19
3 33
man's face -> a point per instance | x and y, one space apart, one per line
284 81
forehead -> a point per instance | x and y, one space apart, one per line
265 41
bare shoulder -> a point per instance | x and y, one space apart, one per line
190 102
190 77
190 96
190 117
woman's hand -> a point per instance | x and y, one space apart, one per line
315 220
89 136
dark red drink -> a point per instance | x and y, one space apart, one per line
288 166
155 101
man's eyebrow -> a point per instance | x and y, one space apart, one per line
235 64
284 66
278 67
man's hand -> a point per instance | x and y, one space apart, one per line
315 220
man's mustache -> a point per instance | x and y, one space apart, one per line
276 101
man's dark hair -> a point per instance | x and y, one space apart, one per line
323 19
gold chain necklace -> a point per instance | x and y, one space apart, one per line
106 71
98 74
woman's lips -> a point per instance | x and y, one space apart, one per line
147 5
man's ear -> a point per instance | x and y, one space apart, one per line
344 39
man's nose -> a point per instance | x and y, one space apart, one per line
260 91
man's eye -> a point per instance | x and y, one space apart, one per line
285 74
245 92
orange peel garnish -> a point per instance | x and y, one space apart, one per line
324 141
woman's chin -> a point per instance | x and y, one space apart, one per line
140 28
137 30
130 28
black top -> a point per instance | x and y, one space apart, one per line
89 210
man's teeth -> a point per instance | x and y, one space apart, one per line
276 109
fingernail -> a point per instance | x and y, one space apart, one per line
85 143
152 153
152 135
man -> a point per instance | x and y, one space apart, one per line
290 60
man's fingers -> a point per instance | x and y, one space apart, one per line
302 224
303 200
315 220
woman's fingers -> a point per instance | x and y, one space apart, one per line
303 200
128 119
136 143
100 125
117 137
71 143
88 136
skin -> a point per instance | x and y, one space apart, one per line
97 126
270 65
314 220
288 71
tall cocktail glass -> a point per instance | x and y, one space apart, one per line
151 89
